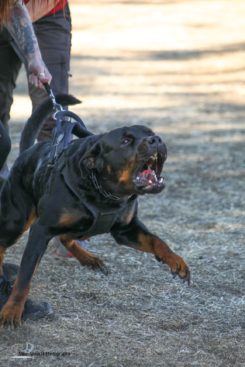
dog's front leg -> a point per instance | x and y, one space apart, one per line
136 235
84 257
37 243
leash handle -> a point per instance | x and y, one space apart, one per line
48 89
51 95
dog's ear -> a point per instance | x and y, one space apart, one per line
92 159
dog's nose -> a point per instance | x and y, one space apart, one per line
155 139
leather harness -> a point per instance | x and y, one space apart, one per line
104 217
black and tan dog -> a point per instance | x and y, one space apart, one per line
92 189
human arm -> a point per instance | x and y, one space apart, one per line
20 27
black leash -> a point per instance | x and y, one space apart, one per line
57 107
67 124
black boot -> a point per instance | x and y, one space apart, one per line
33 310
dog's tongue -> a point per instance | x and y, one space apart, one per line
148 175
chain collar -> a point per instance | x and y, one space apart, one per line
99 188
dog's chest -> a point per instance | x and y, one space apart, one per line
103 218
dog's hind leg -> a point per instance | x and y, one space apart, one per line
17 211
10 231
83 256
37 243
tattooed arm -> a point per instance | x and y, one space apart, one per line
20 27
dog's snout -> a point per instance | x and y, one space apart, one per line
156 142
155 139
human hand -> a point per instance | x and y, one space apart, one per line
38 72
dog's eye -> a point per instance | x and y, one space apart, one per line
126 140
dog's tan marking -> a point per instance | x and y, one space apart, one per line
68 218
30 220
125 174
84 257
159 248
2 253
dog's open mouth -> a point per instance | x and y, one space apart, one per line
148 178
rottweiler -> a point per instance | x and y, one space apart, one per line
91 189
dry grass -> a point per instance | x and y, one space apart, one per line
178 67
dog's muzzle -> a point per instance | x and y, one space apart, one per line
148 177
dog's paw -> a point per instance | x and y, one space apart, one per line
94 263
98 264
181 269
177 266
10 315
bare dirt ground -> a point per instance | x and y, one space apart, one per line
178 67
